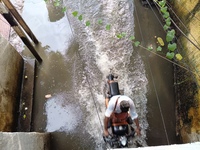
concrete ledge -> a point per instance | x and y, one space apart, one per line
24 141
191 146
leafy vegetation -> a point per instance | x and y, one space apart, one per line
87 23
100 21
170 35
121 35
108 26
64 9
75 13
80 17
57 3
159 49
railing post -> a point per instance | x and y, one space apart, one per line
20 20
7 15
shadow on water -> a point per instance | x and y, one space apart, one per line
161 99
65 113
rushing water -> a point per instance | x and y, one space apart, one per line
76 60
101 51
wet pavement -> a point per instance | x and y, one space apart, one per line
72 77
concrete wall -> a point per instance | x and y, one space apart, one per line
193 146
24 141
189 83
4 27
11 66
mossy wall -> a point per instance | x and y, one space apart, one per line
11 66
189 123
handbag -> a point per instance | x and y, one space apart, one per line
119 118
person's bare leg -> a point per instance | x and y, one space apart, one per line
106 101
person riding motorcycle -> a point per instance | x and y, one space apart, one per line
117 112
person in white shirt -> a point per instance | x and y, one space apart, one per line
120 104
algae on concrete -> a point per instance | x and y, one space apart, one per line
189 121
11 65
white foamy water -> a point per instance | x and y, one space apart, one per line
55 35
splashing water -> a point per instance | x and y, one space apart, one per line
101 51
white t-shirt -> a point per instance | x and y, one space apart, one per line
112 102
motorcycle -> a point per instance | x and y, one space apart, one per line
120 135
147 3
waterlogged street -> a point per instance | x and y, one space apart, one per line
76 60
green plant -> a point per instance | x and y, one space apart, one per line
132 38
75 13
136 43
80 17
159 49
170 35
108 26
87 23
64 9
121 35
57 3
172 46
100 21
170 55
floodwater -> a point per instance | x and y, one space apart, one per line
76 60
161 97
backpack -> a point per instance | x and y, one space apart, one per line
119 118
